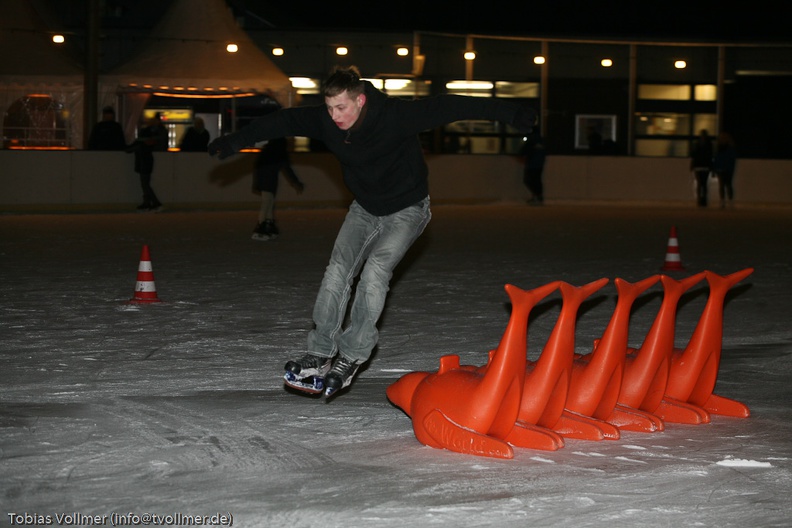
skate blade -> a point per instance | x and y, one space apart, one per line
309 384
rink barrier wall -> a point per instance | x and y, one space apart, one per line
41 181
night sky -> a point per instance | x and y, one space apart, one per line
692 19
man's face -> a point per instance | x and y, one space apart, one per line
345 110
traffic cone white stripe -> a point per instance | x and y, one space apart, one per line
145 288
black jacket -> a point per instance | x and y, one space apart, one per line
194 141
702 155
107 135
381 156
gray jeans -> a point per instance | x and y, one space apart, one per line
376 244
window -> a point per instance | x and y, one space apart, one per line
471 137
708 122
36 120
593 132
479 136
664 92
525 90
662 124
705 92
678 92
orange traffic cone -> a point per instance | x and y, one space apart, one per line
673 261
145 289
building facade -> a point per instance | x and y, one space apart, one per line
640 98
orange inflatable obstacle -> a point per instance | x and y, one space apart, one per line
597 377
511 402
471 410
647 369
547 380
694 370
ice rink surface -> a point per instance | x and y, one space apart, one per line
178 408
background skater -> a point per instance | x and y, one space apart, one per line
701 165
271 161
152 137
535 156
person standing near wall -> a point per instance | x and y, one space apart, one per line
196 138
107 134
724 165
535 155
153 137
701 165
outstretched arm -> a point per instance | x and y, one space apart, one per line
432 112
288 122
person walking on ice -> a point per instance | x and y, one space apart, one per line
271 161
375 138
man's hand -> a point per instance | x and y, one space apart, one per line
525 119
221 146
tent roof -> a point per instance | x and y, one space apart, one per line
186 54
29 54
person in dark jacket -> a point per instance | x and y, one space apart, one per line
107 134
196 138
535 155
724 165
153 137
375 138
701 165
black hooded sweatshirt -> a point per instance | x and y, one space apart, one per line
381 156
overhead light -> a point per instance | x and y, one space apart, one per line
402 51
539 59
470 55
277 51
58 39
342 50
469 85
204 95
606 63
302 82
396 84
680 65
232 48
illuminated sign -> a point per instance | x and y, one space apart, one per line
170 115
